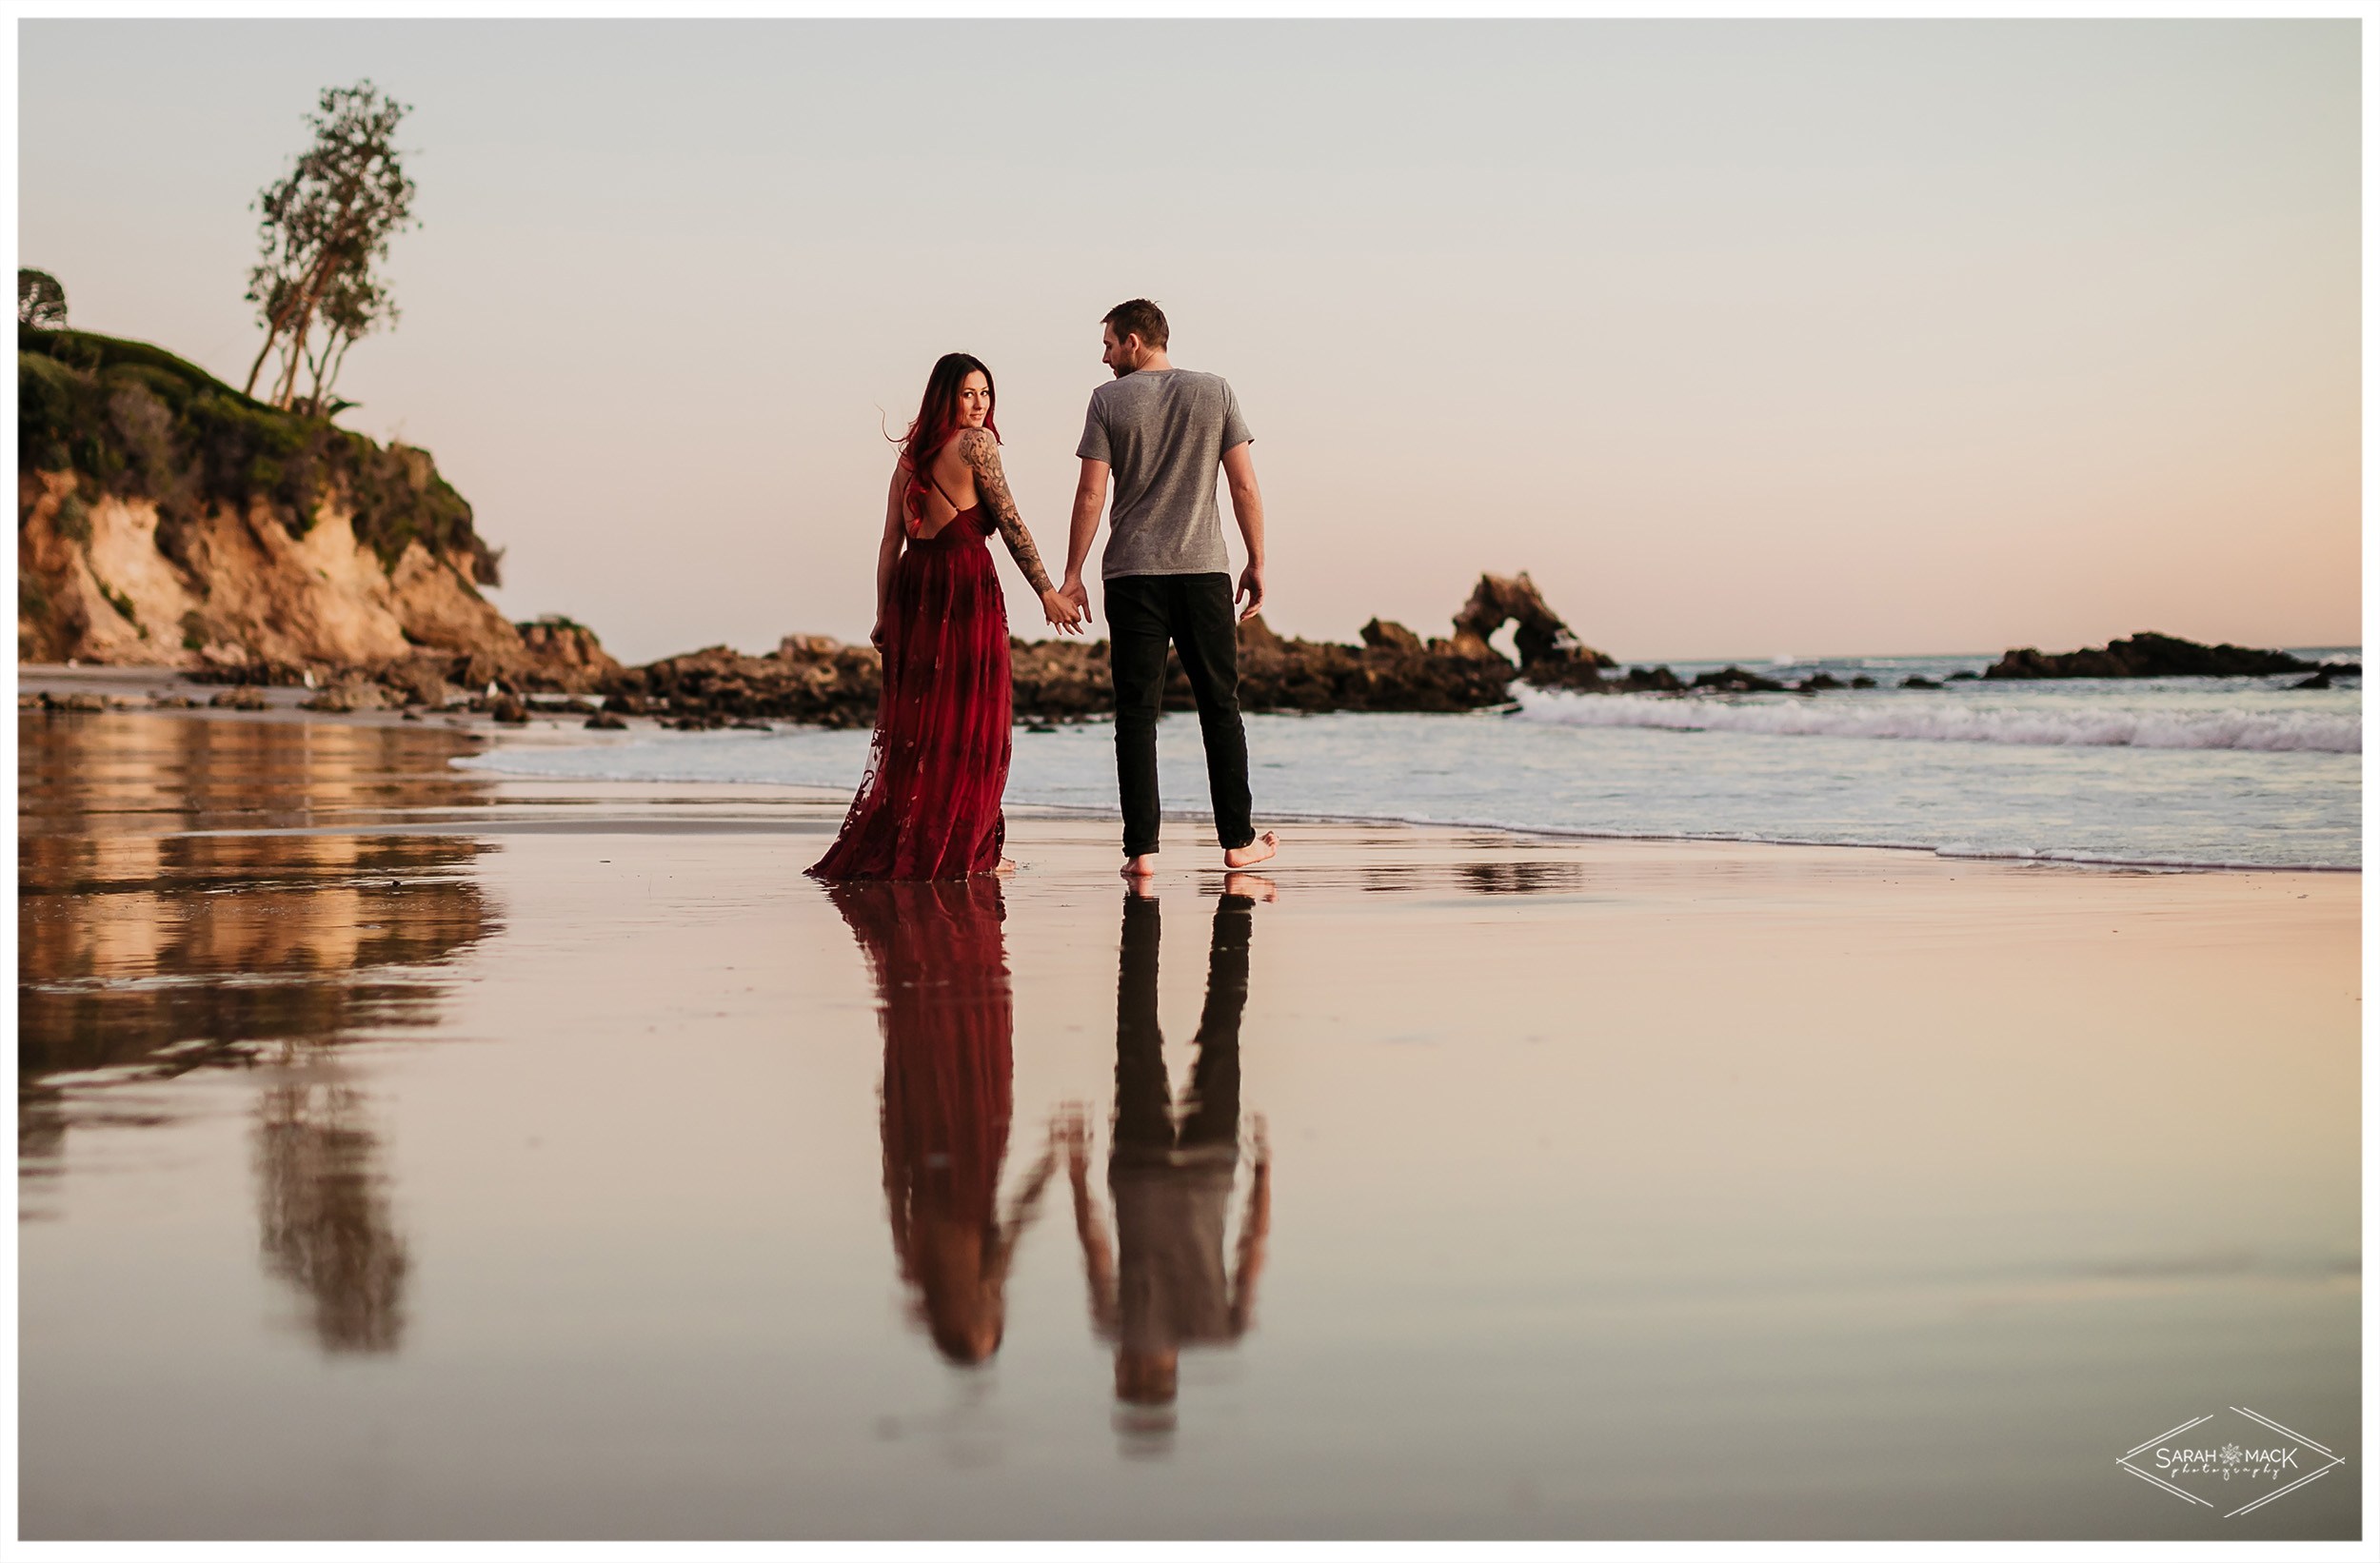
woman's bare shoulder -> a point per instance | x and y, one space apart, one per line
977 445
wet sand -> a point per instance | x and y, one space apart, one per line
409 1153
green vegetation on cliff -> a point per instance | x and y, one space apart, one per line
130 419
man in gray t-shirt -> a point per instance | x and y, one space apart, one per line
1163 433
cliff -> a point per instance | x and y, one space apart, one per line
166 519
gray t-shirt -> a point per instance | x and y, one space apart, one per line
1163 432
1171 1289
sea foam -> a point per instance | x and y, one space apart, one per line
1925 718
2254 776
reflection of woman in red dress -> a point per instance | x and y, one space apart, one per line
941 982
928 807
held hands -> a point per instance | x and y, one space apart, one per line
1251 587
1076 592
1064 613
1070 1134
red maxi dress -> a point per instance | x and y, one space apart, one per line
944 1003
928 806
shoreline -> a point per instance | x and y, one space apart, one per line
128 691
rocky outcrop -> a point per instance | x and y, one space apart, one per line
1391 670
809 678
1539 633
165 519
565 654
346 695
1066 680
2147 655
1550 656
814 679
1388 672
1736 681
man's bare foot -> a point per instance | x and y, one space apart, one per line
1139 870
1255 852
1253 886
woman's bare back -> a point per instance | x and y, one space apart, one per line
951 479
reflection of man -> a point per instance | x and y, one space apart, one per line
1165 1285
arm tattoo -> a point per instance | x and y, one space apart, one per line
982 454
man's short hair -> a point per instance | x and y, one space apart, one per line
1137 317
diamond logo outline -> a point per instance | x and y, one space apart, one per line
2230 1455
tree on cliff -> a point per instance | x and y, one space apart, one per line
356 304
40 300
324 225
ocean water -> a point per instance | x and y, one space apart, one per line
2167 773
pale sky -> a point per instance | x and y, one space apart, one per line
1744 339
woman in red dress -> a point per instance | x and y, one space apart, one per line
928 806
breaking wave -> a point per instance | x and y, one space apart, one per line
1954 719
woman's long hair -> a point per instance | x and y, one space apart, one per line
937 420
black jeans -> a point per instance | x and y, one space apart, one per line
1193 613
1146 1129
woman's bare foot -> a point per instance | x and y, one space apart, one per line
1253 886
1255 852
1007 865
1141 869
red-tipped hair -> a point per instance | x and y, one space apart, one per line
936 422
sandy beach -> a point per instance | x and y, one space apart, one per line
409 1152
